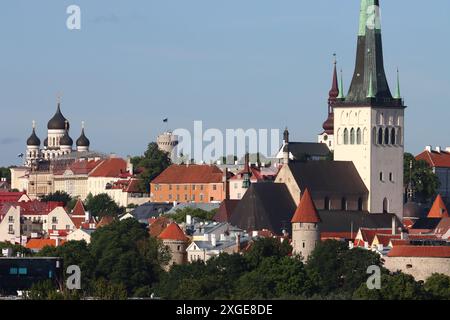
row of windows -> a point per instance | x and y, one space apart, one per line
186 197
391 177
344 204
194 187
352 136
387 136
18 271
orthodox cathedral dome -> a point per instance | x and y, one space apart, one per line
83 141
66 140
33 140
58 122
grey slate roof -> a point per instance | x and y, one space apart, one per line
302 150
328 177
150 210
265 206
202 206
347 221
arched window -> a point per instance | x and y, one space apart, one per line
346 136
386 136
344 204
393 140
352 136
358 136
380 136
360 204
385 205
326 204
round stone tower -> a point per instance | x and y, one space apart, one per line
167 141
175 239
305 227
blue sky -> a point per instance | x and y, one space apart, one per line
231 64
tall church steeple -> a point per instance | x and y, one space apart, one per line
369 78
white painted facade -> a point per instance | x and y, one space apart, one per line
10 226
380 165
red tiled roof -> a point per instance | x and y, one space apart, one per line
438 210
443 226
181 174
34 207
173 232
79 209
158 225
10 196
385 239
79 167
306 211
420 251
369 234
38 244
110 168
435 159
129 185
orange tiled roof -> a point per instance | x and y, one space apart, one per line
435 159
189 174
157 225
306 211
420 251
38 244
111 168
438 210
79 209
173 232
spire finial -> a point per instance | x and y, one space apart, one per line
334 58
33 124
59 97
398 94
341 87
82 125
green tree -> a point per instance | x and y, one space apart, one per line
397 286
334 268
102 205
126 255
152 163
438 285
180 214
74 253
16 249
104 290
5 173
274 278
58 196
424 180
267 247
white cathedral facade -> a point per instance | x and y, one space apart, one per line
58 142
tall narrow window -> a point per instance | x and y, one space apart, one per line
352 136
360 204
344 204
386 136
385 205
358 136
346 136
380 136
393 140
327 203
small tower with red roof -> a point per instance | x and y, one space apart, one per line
175 239
438 210
305 227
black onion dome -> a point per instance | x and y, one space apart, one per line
83 141
58 122
412 210
66 140
33 140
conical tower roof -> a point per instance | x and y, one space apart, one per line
173 232
438 210
306 211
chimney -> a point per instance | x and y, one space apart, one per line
428 148
225 182
57 241
87 216
213 240
438 149
188 219
130 168
394 225
238 243
206 237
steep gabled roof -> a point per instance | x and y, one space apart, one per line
225 211
438 210
265 206
328 177
173 232
79 209
306 211
110 168
187 174
435 159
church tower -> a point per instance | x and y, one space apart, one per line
369 122
33 147
327 136
305 227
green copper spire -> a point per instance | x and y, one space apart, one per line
398 94
341 87
363 18
370 94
